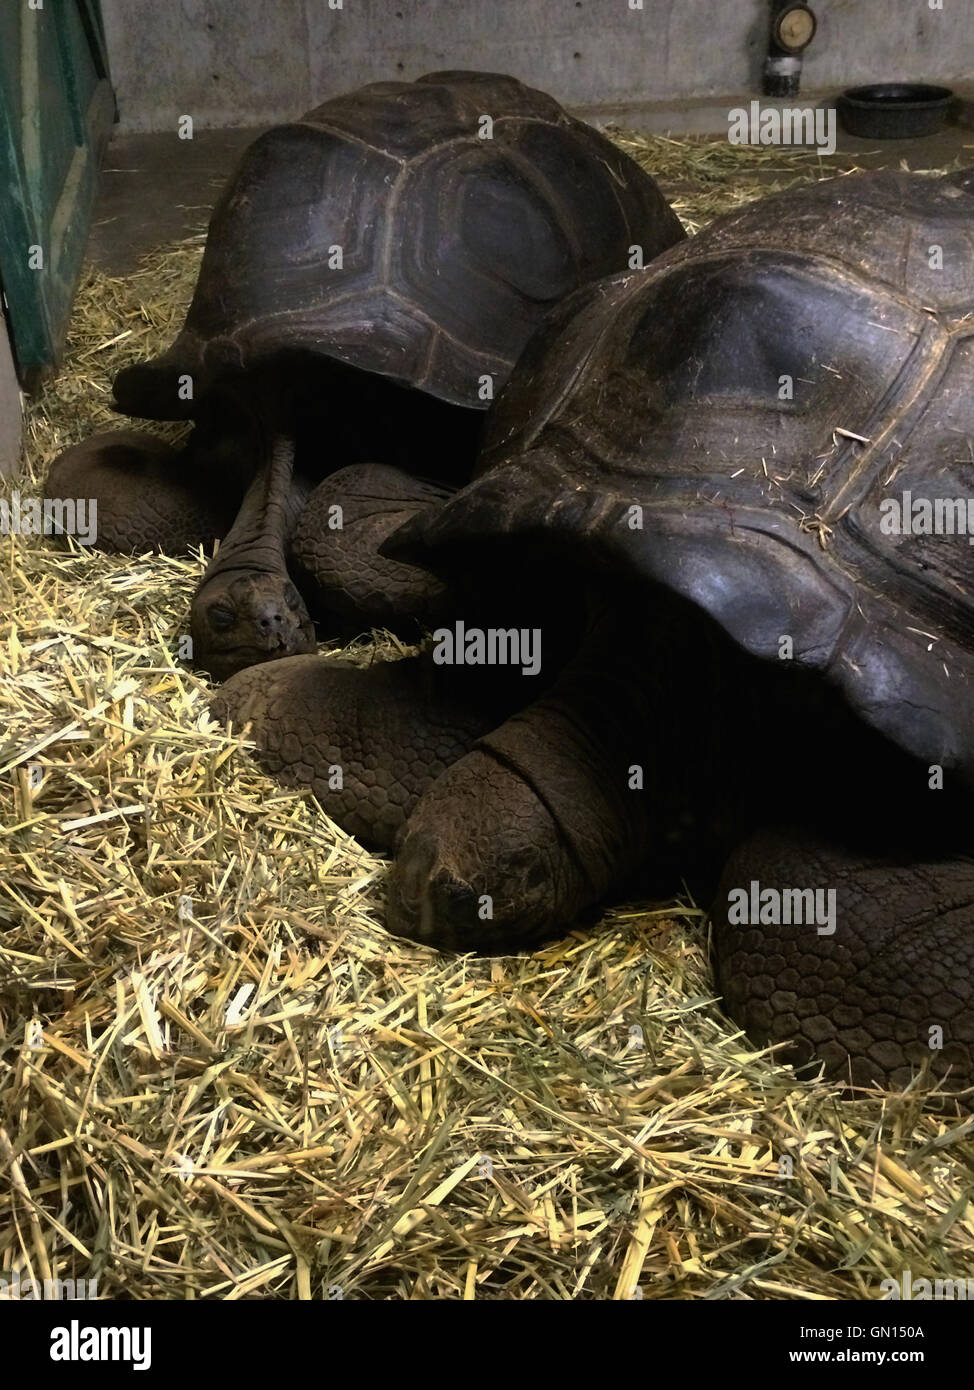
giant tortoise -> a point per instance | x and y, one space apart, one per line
371 273
745 477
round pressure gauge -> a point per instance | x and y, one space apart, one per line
794 28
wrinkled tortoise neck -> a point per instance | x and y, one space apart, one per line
267 517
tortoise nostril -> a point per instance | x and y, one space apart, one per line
270 618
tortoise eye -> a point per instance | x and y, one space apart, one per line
220 619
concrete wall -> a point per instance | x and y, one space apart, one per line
250 62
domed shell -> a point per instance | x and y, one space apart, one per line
760 421
419 230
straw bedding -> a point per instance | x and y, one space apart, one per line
220 1078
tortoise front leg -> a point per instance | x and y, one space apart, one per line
337 544
368 741
878 983
148 495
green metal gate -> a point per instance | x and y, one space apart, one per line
56 112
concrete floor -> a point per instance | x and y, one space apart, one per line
157 188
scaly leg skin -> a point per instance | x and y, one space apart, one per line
247 610
149 495
890 988
336 550
367 741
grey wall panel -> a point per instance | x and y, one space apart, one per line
236 62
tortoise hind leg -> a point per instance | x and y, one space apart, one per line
336 550
873 981
149 495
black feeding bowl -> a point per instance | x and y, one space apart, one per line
894 110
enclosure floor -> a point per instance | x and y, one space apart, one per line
158 188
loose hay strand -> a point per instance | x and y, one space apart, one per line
219 1077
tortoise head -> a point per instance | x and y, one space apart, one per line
242 619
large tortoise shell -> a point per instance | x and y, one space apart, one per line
419 230
744 421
